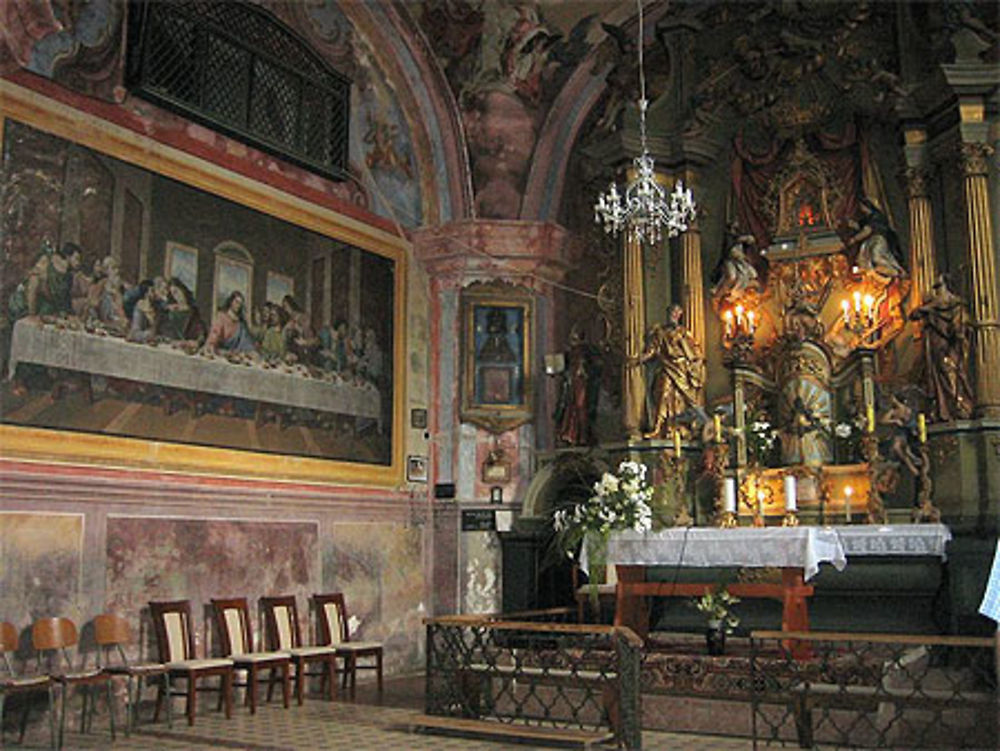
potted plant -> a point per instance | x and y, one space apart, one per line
716 604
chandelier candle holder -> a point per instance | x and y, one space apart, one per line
643 209
858 314
791 502
739 325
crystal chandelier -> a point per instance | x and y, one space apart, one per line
644 211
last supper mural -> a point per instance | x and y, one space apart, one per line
138 306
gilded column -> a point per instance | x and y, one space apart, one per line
982 262
694 288
633 308
922 265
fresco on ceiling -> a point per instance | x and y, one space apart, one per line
506 64
381 148
138 306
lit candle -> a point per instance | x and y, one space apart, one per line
718 428
739 318
790 500
751 324
857 302
848 492
729 499
728 318
922 427
760 502
846 308
677 444
870 417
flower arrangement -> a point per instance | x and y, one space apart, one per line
716 604
620 501
761 439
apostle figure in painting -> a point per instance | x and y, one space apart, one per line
229 329
47 290
735 274
680 379
877 243
579 391
946 351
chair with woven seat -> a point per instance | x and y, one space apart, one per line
112 633
52 639
333 629
281 629
12 683
232 619
175 641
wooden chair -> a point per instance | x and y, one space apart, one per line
112 633
232 618
281 629
333 629
175 641
52 639
12 683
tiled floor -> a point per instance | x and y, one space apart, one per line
363 725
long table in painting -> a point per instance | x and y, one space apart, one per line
164 365
797 551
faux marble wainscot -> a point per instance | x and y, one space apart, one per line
481 561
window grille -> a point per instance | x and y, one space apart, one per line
235 68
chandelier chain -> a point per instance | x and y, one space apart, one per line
642 210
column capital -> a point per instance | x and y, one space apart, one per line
975 158
917 180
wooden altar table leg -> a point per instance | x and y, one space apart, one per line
630 609
795 610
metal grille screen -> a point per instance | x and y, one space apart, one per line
235 68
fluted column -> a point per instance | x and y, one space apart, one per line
694 287
922 264
633 308
982 262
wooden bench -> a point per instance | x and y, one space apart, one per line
496 729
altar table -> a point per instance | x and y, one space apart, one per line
797 551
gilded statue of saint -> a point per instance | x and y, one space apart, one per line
946 351
680 379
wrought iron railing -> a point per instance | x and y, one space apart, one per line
873 690
542 674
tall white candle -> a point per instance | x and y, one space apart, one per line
790 499
730 495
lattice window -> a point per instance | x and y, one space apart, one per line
234 67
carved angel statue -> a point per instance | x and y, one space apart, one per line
877 244
735 274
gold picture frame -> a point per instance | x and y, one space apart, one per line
497 356
21 105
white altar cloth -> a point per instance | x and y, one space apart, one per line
784 547
896 539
